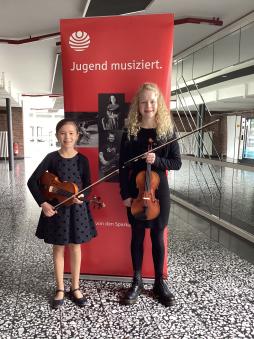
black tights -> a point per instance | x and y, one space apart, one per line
158 248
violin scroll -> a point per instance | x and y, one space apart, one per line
99 203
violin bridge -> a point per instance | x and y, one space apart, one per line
50 188
146 198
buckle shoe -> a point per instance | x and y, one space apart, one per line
58 303
79 301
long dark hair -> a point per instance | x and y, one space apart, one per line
63 122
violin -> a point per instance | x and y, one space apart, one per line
64 192
145 206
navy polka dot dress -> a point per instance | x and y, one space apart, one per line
71 224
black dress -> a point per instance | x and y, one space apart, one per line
71 224
167 158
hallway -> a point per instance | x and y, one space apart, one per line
213 286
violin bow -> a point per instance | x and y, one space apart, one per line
85 189
129 162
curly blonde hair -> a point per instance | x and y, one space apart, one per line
164 123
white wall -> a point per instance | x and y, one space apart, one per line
233 135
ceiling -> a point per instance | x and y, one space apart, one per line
227 91
32 67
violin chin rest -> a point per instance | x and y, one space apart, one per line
140 216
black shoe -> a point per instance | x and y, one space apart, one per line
135 289
161 291
79 301
58 303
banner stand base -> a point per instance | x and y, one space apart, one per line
108 278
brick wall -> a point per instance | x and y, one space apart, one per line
182 122
17 127
248 115
219 129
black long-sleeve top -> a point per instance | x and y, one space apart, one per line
167 158
50 164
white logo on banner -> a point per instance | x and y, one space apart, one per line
79 41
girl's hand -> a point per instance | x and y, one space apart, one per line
77 201
150 157
48 209
127 202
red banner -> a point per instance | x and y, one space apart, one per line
104 61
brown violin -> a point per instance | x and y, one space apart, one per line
64 192
145 206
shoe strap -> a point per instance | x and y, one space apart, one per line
60 291
77 289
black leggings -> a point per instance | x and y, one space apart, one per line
158 248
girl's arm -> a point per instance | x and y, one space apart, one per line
172 159
48 209
34 181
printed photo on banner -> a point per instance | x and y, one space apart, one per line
87 123
109 148
112 112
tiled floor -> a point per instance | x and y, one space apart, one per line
235 243
214 287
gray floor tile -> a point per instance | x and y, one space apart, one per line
212 285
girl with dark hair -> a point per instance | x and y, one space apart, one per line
69 225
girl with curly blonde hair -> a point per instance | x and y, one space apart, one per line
148 119
163 120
